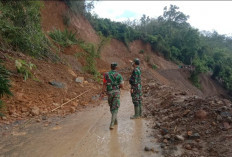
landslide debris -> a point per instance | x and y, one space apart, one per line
201 127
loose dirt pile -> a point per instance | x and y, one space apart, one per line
201 127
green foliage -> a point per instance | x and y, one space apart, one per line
24 68
154 66
113 29
195 80
82 7
173 37
4 86
20 27
66 18
90 58
104 41
141 52
64 38
147 59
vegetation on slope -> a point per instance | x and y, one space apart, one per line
171 35
20 30
4 85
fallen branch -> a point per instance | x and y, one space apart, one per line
70 100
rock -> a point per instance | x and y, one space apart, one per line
208 132
35 111
157 125
165 141
56 104
57 84
196 136
38 120
80 79
162 145
147 149
44 118
201 114
167 136
225 114
4 118
23 109
164 131
189 133
179 137
188 147
214 124
95 97
219 118
226 126
186 112
72 109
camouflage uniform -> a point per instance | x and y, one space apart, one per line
135 82
113 80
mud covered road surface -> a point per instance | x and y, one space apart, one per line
85 133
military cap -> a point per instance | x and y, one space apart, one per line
114 64
136 61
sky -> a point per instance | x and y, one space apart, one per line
204 15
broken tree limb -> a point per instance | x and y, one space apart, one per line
70 100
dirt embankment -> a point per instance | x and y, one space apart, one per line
34 98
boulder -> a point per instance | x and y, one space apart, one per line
80 79
201 114
35 111
179 137
57 84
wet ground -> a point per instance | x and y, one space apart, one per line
83 134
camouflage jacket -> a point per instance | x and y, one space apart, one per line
113 81
135 79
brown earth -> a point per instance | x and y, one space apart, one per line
200 126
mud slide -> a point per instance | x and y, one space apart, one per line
84 134
179 80
210 87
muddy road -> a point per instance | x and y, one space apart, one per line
85 133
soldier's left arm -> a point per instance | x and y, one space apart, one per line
121 82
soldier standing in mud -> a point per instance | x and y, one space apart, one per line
136 89
112 83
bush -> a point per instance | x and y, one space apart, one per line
90 57
64 38
154 66
4 86
195 80
24 68
20 27
141 52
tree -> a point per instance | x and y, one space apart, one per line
174 15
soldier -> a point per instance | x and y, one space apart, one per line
112 83
136 89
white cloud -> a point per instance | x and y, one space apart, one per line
204 15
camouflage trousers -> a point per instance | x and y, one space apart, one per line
137 97
114 101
